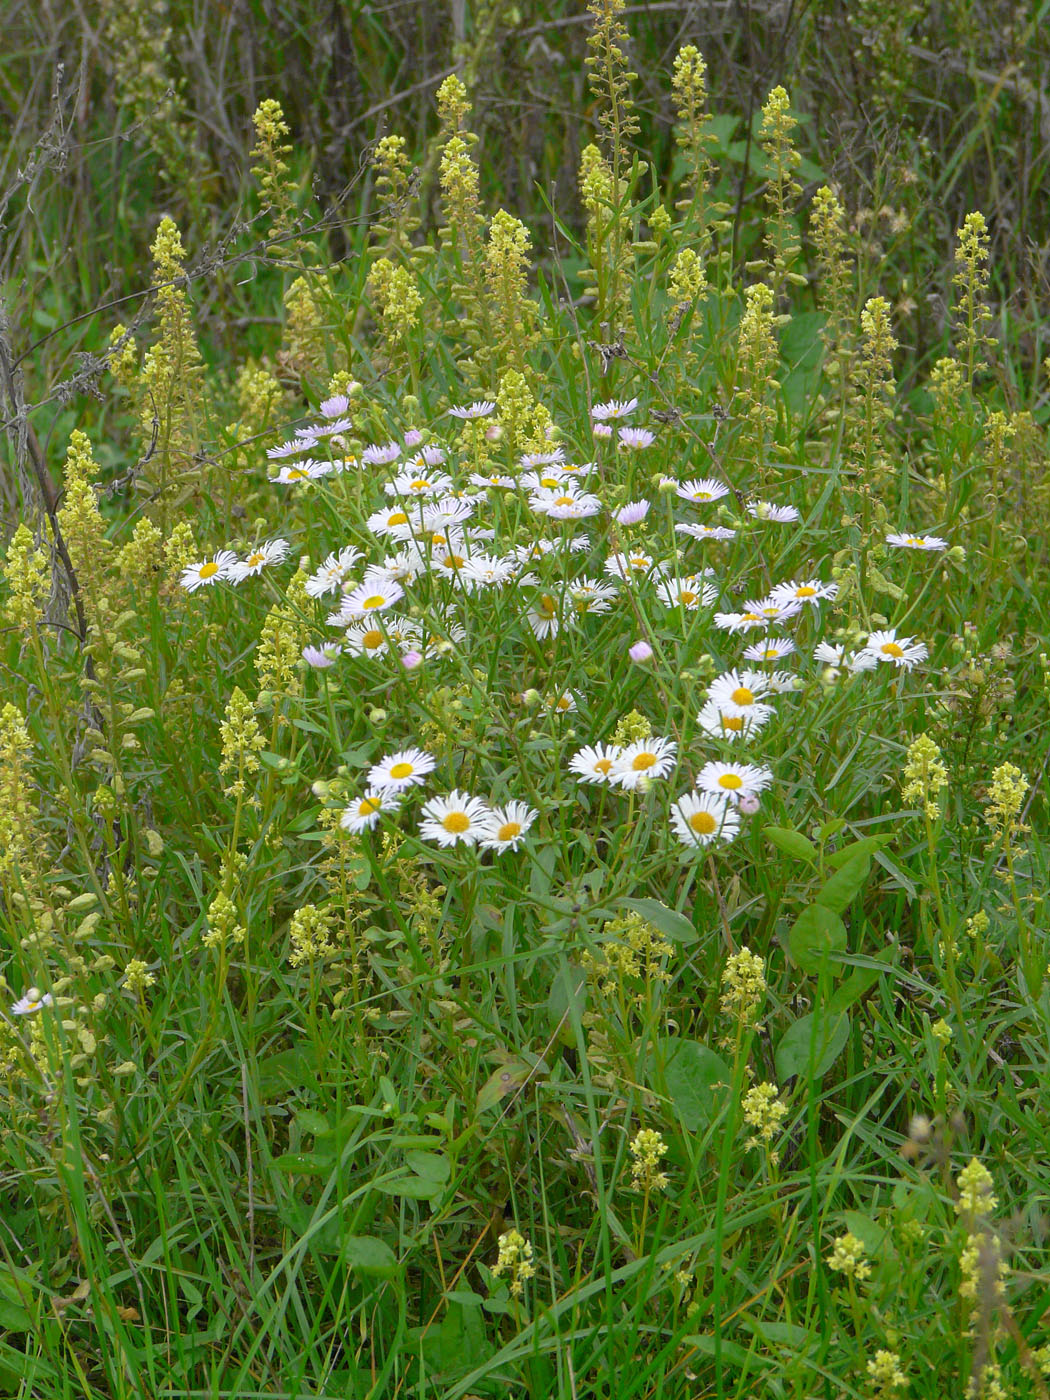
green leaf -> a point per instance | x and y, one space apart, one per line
814 936
870 1234
732 1352
429 1165
812 1045
506 1080
867 845
409 1187
312 1122
860 981
369 1256
692 1074
671 924
290 1069
303 1163
791 842
844 886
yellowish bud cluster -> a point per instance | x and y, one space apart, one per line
242 742
647 1151
311 935
28 579
925 776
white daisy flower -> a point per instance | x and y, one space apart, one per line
704 488
364 812
486 571
903 652
779 515
636 438
429 456
542 459
402 567
564 703
563 503
927 542
32 1001
507 826
334 407
634 564
548 478
544 617
633 513
258 559
690 593
727 722
590 595
648 758
401 770
333 573
416 483
701 818
395 522
494 480
737 691
773 612
457 818
380 454
480 408
366 639
769 649
306 470
208 571
594 763
811 591
530 553
318 431
834 654
446 514
706 532
602 430
739 621
320 658
371 595
731 779
615 408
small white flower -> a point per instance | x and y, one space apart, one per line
401 770
371 595
457 818
725 779
595 763
365 811
334 407
418 483
307 470
726 722
765 510
834 655
701 818
811 591
689 593
769 649
446 514
636 438
32 1001
480 408
320 658
542 459
263 555
633 513
615 408
208 571
705 488
333 573
926 542
706 532
903 652
563 703
506 827
648 758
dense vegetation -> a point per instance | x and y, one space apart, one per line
522 821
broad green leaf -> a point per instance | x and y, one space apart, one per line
671 924
867 845
693 1073
506 1080
814 936
312 1122
370 1256
429 1165
409 1187
289 1069
732 1352
842 888
791 842
812 1045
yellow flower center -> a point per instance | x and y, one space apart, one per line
372 638
805 592
563 703
453 561
254 559
563 501
703 823
367 806
686 597
549 481
603 765
642 761
733 722
456 823
209 570
891 649
750 617
508 831
294 474
421 485
374 600
742 696
397 518
402 770
701 495
915 539
731 781
548 605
